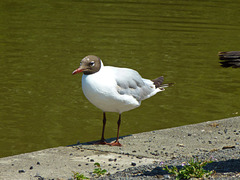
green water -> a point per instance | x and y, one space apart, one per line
42 42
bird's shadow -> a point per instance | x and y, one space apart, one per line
109 140
232 165
231 63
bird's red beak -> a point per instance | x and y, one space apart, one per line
78 70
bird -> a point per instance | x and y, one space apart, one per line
115 89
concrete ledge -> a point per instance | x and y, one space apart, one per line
138 149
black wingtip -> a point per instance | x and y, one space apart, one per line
158 81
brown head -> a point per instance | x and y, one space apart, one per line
89 65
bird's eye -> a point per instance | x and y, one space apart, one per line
92 63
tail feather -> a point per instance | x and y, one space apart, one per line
158 82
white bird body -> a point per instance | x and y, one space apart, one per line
102 89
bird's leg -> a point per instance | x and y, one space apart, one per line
116 143
103 129
119 122
102 141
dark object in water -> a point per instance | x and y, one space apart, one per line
231 59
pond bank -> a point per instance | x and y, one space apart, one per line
139 152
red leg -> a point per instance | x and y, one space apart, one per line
116 143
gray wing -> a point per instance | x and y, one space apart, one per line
130 82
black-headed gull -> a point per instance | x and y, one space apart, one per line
114 89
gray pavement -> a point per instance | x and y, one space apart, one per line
137 150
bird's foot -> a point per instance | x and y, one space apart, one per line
115 143
102 141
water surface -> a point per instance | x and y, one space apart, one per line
42 42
